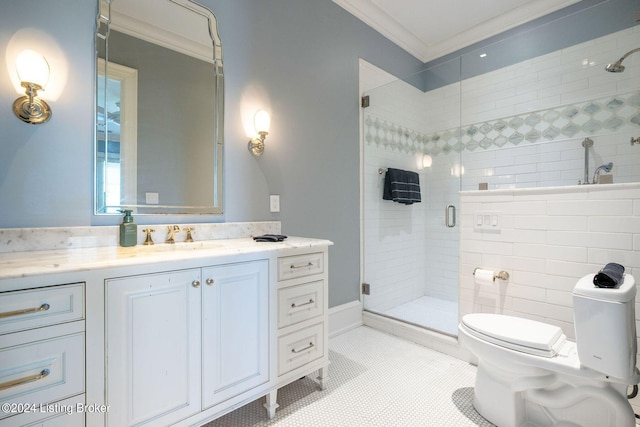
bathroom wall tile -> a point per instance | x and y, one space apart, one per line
569 250
524 264
570 269
592 207
604 256
475 259
627 224
525 292
563 253
575 222
553 194
593 239
619 193
485 247
520 207
562 298
493 261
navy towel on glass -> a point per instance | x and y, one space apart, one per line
401 186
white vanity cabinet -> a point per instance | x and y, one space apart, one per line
42 379
180 342
160 336
153 347
235 330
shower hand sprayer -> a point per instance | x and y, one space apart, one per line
617 66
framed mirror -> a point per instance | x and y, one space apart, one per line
159 108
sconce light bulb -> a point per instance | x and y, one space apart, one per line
33 72
423 161
32 68
262 122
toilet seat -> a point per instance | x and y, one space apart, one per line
515 333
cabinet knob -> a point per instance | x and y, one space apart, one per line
195 283
209 281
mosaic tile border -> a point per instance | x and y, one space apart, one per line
589 118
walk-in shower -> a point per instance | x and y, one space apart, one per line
411 252
503 129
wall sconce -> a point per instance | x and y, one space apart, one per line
261 123
423 161
33 73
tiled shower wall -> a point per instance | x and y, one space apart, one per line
523 125
549 239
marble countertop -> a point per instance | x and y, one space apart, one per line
33 263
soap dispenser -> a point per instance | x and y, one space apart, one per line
128 230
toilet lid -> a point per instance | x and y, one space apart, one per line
528 336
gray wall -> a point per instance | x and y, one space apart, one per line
301 57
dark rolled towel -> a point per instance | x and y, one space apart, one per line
610 276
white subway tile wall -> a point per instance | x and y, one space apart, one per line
550 238
523 126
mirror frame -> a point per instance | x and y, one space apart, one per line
102 29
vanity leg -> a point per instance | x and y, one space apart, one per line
271 404
323 377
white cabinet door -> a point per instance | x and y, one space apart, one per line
153 329
235 330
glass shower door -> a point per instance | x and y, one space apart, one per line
411 251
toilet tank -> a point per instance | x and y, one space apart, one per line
604 320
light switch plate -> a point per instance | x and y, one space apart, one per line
487 221
274 203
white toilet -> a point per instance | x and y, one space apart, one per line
529 374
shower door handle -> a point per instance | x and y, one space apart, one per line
450 216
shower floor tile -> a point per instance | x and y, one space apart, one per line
433 313
375 380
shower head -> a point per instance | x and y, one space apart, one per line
607 168
617 66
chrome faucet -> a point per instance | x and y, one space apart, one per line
173 229
596 175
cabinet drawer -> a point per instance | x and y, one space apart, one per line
42 371
299 348
294 266
22 310
298 303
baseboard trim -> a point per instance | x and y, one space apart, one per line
343 318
